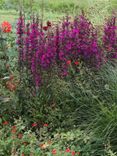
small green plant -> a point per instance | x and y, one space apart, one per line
16 140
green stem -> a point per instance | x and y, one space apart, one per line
42 11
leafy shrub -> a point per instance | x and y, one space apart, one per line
15 140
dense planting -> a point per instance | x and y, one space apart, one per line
72 42
58 81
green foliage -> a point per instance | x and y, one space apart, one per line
8 58
15 140
1 4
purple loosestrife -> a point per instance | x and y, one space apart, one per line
34 37
110 38
79 40
61 55
35 72
85 28
71 41
27 46
44 57
63 45
95 53
34 46
57 44
20 39
48 58
87 40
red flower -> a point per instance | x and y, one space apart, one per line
54 151
20 136
45 125
23 154
11 86
73 153
5 123
67 150
13 130
68 62
45 28
34 124
49 24
76 63
6 27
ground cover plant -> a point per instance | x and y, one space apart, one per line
58 80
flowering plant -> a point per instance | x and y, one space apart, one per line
6 27
72 41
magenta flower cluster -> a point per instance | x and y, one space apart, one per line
78 40
110 38
43 48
